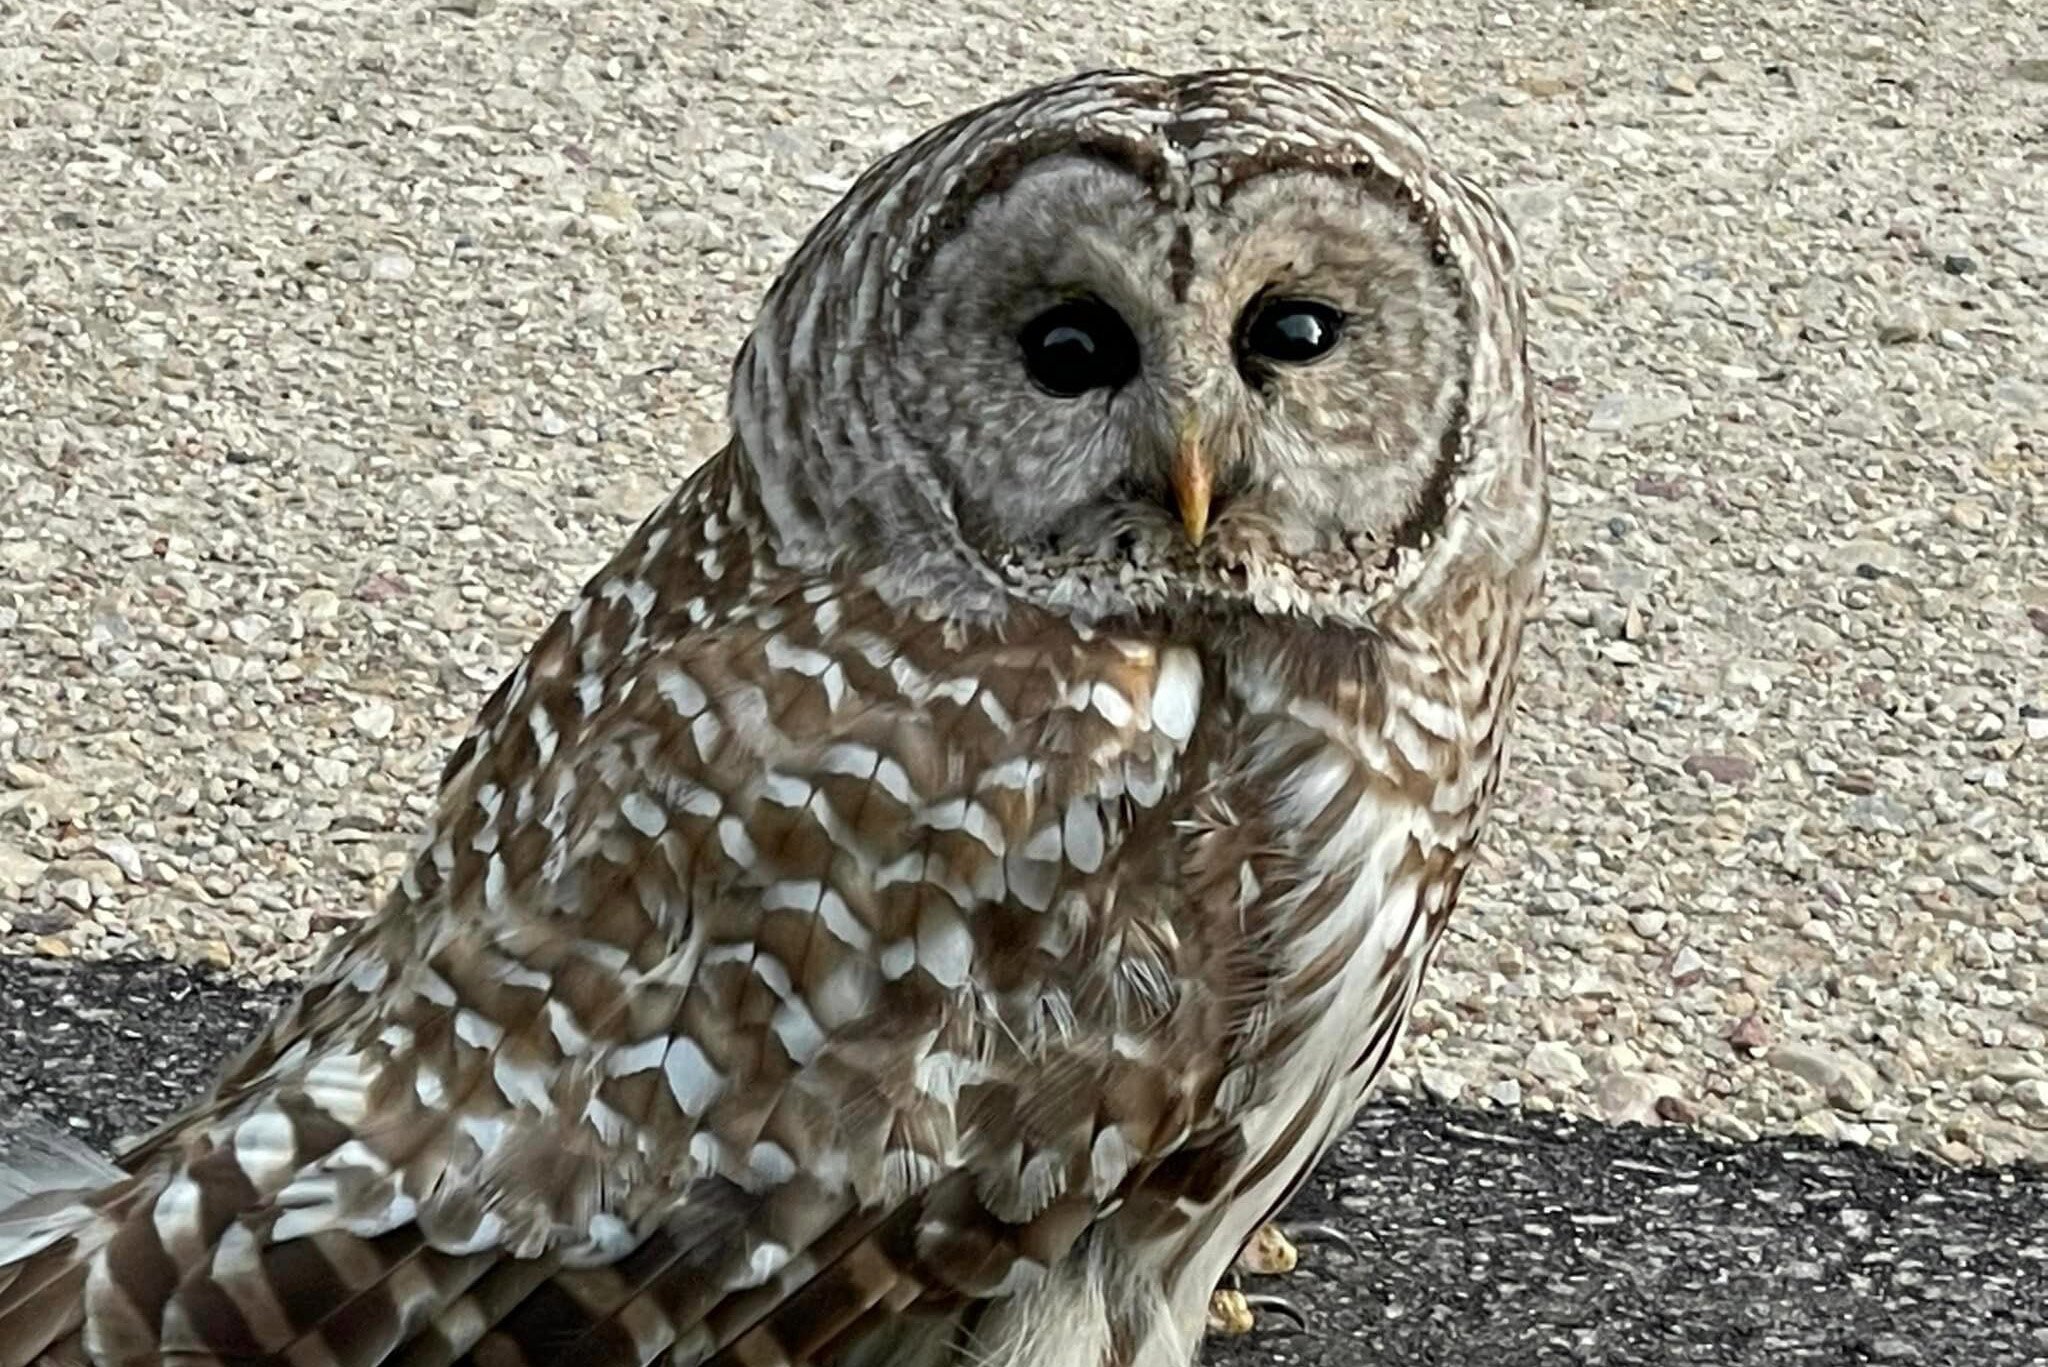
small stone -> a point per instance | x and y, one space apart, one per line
374 720
1750 1033
392 267
1442 1084
74 892
2004 1144
1821 1124
1969 515
1505 1092
1869 558
1648 924
1910 322
44 922
1730 1126
1848 1084
1676 1110
50 947
1958 1154
1724 769
1624 412
1876 814
23 776
18 868
1631 1097
318 606
1555 1062
1622 1058
1687 967
382 588
2031 1093
2014 1065
122 856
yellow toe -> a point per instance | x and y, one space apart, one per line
1268 1253
1229 1315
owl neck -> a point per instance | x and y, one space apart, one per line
850 502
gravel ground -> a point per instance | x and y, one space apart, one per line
339 341
1476 1237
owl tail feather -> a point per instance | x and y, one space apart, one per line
49 1229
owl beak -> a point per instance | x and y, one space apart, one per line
1194 482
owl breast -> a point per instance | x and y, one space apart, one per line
1336 833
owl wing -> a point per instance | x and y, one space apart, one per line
754 986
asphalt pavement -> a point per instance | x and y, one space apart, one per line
1475 1238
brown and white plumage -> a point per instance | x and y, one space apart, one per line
937 890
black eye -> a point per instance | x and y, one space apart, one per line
1077 346
1291 331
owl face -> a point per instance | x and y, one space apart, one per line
1093 364
1123 330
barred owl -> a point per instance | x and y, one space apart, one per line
943 884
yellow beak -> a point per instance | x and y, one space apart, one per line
1193 481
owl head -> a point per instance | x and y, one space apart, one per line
1130 343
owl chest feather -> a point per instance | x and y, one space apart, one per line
1349 789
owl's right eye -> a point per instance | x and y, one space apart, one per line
1079 345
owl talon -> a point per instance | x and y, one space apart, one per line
1314 1232
1262 1306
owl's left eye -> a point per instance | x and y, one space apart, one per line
1291 331
1079 345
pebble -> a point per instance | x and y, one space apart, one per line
1627 412
1728 1125
375 720
2015 1065
1750 1033
1848 1083
122 856
1633 1097
1556 1063
1730 769
1442 1084
18 868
